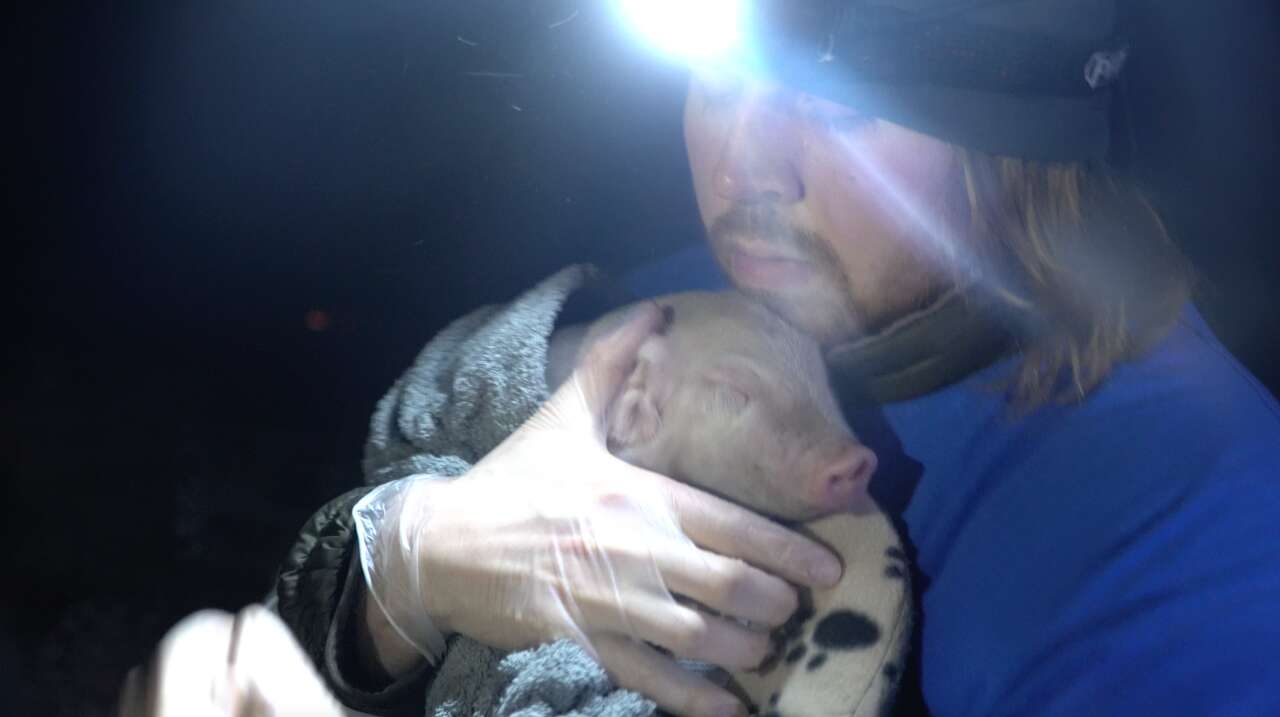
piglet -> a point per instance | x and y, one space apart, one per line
734 400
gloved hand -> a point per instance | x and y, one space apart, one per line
550 536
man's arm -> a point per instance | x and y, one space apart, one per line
317 589
474 382
1193 627
1154 590
379 647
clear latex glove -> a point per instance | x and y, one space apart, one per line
214 664
550 536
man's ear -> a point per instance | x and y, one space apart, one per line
634 417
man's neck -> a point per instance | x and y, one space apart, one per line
920 353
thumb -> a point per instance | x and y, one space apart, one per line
607 363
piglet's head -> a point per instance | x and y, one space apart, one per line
735 401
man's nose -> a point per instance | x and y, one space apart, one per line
758 163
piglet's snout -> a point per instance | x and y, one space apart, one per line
842 482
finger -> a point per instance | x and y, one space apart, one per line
733 531
640 668
191 675
683 630
730 586
133 695
282 677
611 358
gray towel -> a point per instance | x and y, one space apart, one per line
559 678
475 383
472 385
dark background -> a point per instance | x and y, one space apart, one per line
235 223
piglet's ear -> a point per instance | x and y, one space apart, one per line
634 418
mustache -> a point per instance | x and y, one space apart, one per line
764 223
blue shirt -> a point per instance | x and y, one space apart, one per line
1120 556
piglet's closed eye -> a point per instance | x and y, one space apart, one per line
731 383
724 397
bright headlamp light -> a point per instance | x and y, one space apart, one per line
695 31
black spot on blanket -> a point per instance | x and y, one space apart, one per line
796 653
846 630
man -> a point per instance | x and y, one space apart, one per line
1088 480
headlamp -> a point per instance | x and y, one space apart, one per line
695 31
1028 79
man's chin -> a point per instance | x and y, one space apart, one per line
816 305
822 317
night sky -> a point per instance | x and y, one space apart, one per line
237 222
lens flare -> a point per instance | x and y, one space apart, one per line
690 31
935 237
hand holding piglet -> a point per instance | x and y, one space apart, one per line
550 536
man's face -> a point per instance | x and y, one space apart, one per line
839 221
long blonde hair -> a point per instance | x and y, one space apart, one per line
1082 257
